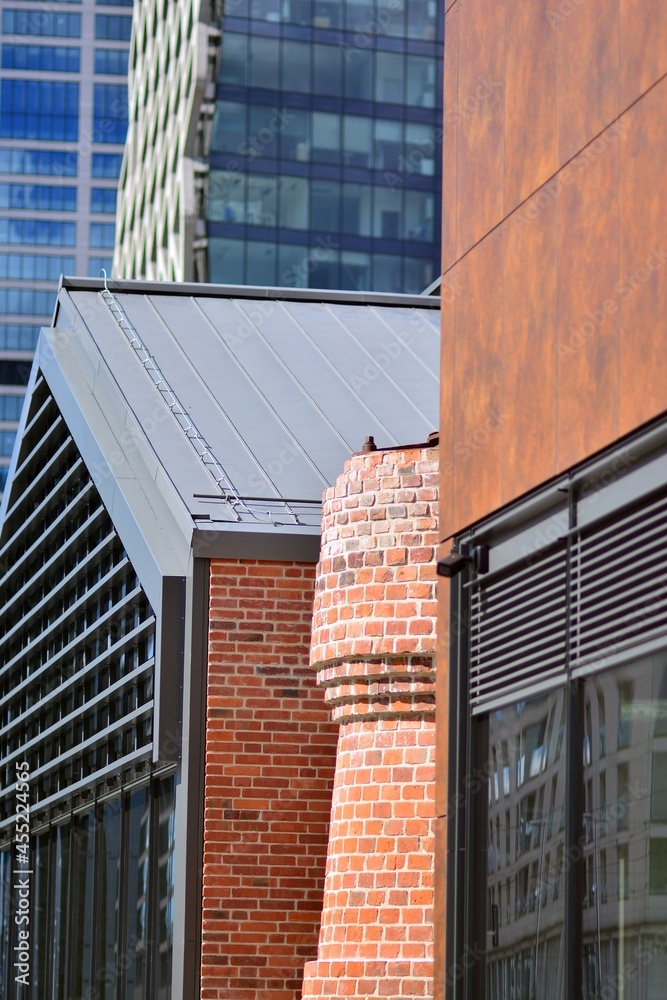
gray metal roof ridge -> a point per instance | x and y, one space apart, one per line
145 287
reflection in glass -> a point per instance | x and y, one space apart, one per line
226 196
263 59
107 898
82 906
387 273
40 914
387 144
136 896
327 70
294 203
265 10
261 263
295 137
5 920
357 140
624 839
359 74
421 81
234 59
326 137
356 213
327 13
388 78
525 908
419 215
229 127
226 261
59 923
390 17
420 272
325 206
387 213
354 270
291 265
422 19
359 16
261 203
166 836
296 67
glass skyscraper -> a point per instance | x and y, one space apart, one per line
324 152
311 157
63 120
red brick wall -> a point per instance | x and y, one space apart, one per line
270 754
373 648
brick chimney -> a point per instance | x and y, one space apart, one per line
373 649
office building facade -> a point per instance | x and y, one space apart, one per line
308 145
63 119
551 798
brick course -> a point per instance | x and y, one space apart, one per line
270 753
373 649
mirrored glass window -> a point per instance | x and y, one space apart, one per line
420 79
419 216
358 72
226 261
294 203
624 832
107 896
261 263
229 127
357 141
328 63
326 137
136 898
296 66
356 211
325 206
389 77
524 849
226 196
234 59
264 65
262 201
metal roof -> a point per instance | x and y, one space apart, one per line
233 409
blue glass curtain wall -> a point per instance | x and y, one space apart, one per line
326 142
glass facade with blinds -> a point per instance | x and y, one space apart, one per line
325 147
561 808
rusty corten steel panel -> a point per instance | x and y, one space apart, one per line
587 73
643 261
529 346
531 107
587 405
478 381
481 111
447 407
449 139
643 47
439 902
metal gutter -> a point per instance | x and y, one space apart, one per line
198 290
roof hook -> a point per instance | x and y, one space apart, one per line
104 275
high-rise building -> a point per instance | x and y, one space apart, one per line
288 142
63 119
